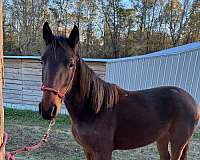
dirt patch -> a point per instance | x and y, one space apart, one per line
61 145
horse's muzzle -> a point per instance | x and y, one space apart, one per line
48 114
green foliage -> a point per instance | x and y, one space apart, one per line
108 28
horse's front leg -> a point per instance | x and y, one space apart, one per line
88 155
102 155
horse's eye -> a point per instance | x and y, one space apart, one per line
71 65
68 64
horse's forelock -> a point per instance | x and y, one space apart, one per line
57 41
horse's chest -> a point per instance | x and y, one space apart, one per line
87 136
84 134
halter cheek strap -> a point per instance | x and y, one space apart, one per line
57 92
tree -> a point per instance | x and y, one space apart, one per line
176 14
110 10
126 25
108 28
90 18
192 30
1 73
24 18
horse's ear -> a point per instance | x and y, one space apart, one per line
47 33
74 37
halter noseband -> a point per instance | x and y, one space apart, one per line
57 92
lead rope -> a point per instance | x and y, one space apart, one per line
11 155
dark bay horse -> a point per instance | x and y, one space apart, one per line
106 117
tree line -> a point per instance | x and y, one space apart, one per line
108 28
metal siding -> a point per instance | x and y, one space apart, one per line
194 71
146 73
180 70
196 80
133 74
153 62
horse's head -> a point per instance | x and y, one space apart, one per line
58 69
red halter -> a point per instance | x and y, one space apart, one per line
57 92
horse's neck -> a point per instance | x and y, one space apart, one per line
89 94
75 103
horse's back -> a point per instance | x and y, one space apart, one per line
144 115
166 97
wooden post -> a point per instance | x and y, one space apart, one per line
2 152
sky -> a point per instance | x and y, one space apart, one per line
126 3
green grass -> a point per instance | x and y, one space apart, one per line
30 118
27 127
197 134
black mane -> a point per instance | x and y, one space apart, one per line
99 92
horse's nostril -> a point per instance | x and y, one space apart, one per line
49 112
54 111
